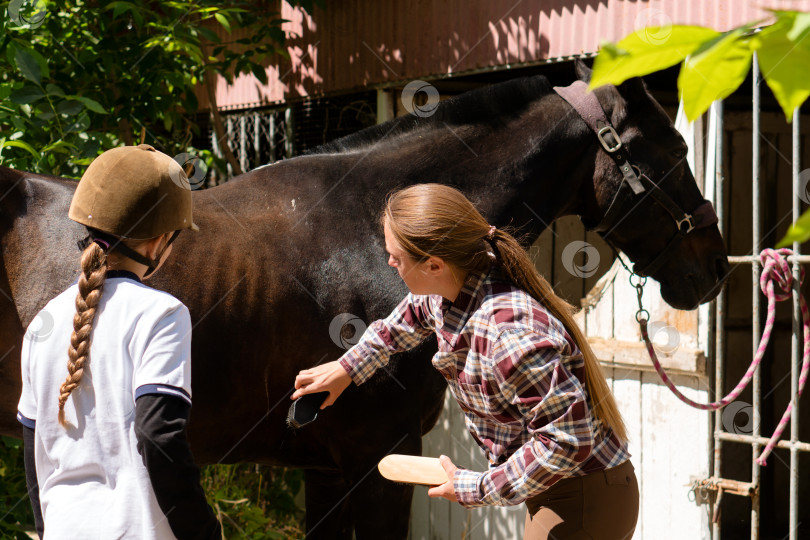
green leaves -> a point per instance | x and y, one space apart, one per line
255 501
798 232
638 54
705 53
715 64
25 95
91 104
28 66
713 72
223 20
260 73
18 144
784 55
93 76
15 511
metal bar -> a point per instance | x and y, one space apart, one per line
271 135
289 147
796 345
720 312
711 361
748 259
257 128
217 151
243 158
756 331
748 439
735 487
229 141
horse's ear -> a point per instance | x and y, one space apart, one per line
582 70
633 89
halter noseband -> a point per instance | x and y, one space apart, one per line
588 107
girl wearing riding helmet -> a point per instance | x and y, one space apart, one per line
106 454
531 389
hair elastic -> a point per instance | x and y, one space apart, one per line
103 244
491 233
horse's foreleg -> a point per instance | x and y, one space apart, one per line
328 515
381 508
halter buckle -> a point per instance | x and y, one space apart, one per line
689 220
606 145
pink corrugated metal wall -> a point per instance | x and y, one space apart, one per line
357 43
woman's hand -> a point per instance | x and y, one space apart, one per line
445 490
329 377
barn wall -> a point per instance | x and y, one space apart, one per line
356 43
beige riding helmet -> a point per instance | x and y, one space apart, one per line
133 192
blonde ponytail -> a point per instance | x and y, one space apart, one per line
438 220
519 269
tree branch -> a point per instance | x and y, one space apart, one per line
219 127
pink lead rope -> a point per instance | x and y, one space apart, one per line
775 269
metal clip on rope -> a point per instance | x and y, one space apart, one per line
642 314
775 270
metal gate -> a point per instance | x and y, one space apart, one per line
265 135
256 137
726 495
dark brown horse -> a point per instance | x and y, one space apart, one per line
285 249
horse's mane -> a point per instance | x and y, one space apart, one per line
486 104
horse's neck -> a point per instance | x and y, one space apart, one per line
529 170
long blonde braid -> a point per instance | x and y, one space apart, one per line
91 282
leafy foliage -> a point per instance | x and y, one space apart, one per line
85 77
255 501
798 232
15 508
714 64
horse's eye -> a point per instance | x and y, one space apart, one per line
679 153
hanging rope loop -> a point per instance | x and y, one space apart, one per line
777 282
776 273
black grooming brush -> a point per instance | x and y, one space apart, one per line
305 409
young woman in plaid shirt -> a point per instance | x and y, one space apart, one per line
531 389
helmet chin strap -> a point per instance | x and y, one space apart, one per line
109 243
156 261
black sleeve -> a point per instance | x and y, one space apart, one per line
160 427
31 478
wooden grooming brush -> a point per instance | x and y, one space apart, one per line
425 471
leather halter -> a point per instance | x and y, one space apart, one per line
634 182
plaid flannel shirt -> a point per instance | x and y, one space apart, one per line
515 372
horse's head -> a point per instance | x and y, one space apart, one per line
648 226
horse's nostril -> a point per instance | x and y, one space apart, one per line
721 264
